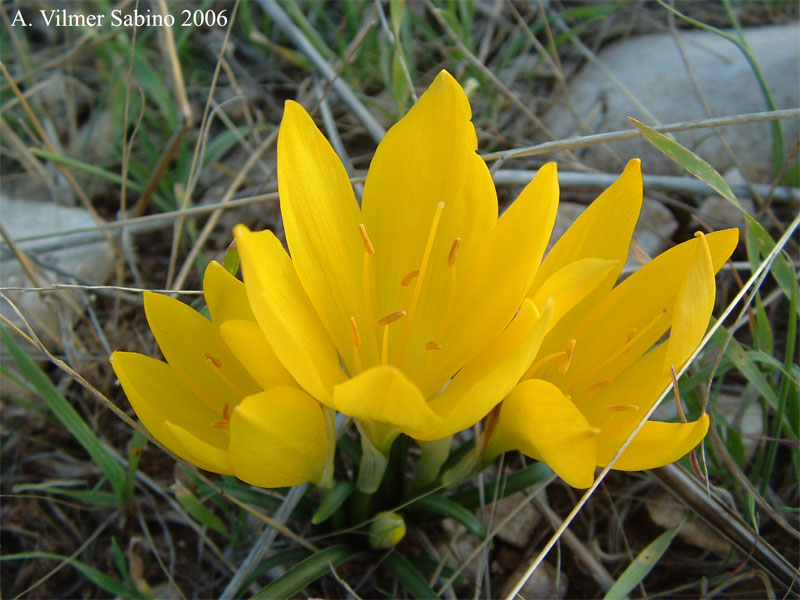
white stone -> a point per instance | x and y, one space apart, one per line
653 70
90 262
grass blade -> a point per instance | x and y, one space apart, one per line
68 416
454 510
306 572
642 565
109 584
340 492
756 234
536 473
408 576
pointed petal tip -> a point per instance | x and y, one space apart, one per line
239 231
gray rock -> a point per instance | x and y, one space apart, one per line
719 213
544 582
652 68
653 232
92 262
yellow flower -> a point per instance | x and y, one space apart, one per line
223 401
601 366
408 313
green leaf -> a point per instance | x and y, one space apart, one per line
198 510
409 577
109 584
340 492
68 416
307 571
276 560
121 564
230 261
448 508
536 473
756 234
642 565
86 168
135 448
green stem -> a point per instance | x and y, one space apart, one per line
434 455
372 465
359 507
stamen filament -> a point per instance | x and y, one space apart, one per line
356 344
597 385
565 361
385 346
217 364
355 333
588 375
543 361
368 247
423 267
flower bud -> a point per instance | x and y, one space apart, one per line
386 530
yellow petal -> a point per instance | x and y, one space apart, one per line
247 342
693 307
385 394
225 295
571 284
285 314
193 347
483 383
634 315
197 451
278 438
159 395
657 444
541 422
497 286
633 391
428 157
603 230
321 219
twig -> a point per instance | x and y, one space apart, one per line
628 134
762 269
194 170
599 572
282 20
264 542
726 522
665 183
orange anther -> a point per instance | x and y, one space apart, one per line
451 257
409 278
214 360
391 318
433 346
623 408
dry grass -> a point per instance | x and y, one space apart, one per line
185 126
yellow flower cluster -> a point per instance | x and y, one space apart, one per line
420 312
